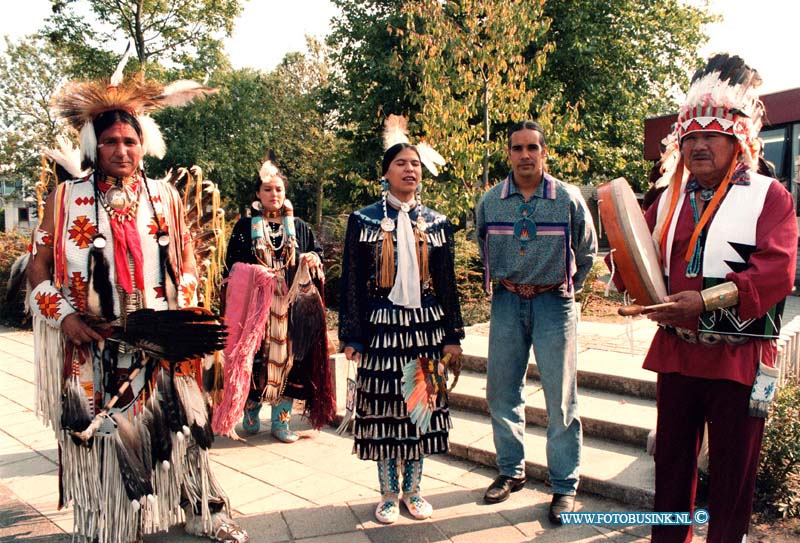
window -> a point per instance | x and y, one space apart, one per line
775 151
22 214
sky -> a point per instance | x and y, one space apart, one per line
763 32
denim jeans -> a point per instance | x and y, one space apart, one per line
549 323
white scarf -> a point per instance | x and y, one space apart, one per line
406 291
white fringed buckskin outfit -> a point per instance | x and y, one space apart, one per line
133 429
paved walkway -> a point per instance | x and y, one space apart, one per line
312 491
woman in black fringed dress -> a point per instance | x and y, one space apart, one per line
399 303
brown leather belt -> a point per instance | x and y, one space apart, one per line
527 292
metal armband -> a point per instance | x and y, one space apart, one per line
720 296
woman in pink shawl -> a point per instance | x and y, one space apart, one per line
290 362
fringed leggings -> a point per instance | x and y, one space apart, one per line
389 478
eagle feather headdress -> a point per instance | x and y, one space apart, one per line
395 130
723 98
79 103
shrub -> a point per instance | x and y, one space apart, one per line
475 304
12 245
778 484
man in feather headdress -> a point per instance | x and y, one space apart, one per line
728 244
111 243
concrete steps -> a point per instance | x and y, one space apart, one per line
616 399
614 470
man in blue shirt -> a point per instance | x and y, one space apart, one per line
537 242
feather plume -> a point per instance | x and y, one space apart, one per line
130 455
181 92
100 291
196 409
66 155
88 139
268 171
17 277
116 77
395 130
75 413
160 439
152 140
173 416
430 158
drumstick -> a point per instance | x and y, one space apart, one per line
634 309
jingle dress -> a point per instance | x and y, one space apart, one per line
389 336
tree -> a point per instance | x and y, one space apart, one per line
475 64
365 87
226 134
457 69
589 72
308 149
30 72
229 133
162 31
620 62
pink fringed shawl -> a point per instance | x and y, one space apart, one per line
247 302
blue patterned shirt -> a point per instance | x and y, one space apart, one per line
547 240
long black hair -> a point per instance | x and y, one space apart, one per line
392 152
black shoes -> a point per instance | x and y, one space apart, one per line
561 503
502 487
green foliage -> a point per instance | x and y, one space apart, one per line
618 63
30 71
475 304
179 32
777 492
12 245
331 236
229 133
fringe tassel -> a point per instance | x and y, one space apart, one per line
48 350
279 355
384 261
422 255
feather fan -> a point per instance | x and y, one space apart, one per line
173 335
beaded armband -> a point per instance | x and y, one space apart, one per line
188 291
720 296
41 238
50 304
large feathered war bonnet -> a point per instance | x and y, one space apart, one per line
722 98
80 103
